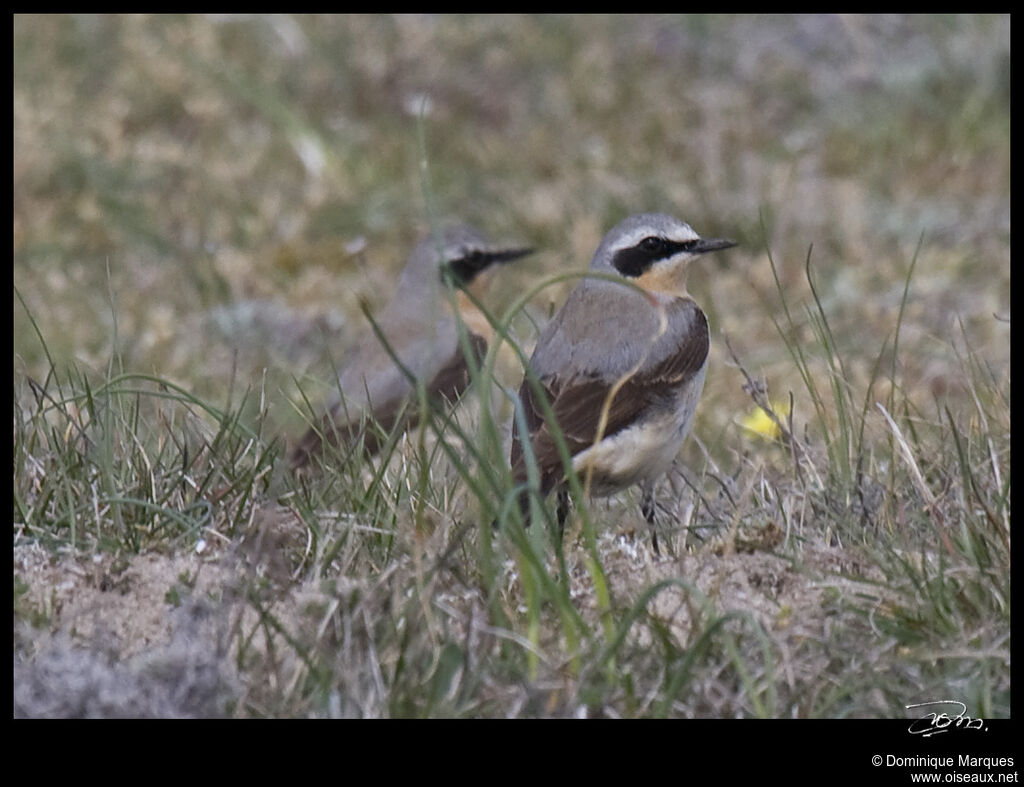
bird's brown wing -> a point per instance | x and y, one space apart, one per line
577 397
334 430
454 377
444 389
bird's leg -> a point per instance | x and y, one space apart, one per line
524 507
648 508
562 512
523 502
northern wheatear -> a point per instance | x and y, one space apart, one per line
641 350
422 332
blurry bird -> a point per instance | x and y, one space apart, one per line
422 332
641 349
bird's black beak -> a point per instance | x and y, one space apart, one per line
464 269
704 245
507 255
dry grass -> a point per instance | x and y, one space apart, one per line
201 203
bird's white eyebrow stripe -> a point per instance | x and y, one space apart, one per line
637 235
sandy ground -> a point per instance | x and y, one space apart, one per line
158 635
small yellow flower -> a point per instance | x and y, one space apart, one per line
760 423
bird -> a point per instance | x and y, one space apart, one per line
422 331
629 348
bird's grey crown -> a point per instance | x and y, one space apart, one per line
461 246
632 230
422 270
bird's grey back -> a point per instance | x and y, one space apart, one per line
416 323
608 327
423 348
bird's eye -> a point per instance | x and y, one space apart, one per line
652 244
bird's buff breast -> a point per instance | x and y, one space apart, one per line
644 450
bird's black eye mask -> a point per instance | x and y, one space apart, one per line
462 270
637 260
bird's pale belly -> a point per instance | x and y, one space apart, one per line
643 451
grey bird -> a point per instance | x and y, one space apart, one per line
422 331
641 351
